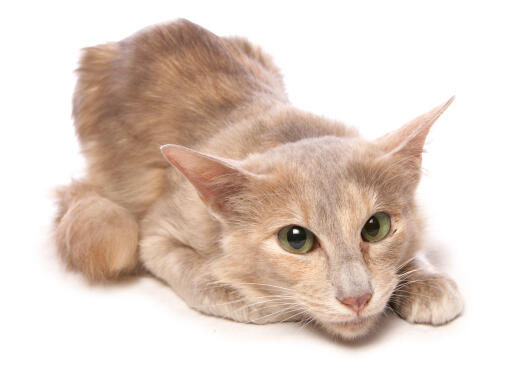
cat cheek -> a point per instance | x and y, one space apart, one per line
365 247
320 251
365 251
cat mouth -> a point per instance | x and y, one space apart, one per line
346 319
350 328
352 321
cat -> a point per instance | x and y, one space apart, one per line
201 172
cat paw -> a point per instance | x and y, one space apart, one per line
434 300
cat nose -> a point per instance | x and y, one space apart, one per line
357 304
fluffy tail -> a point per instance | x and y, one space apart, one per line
95 235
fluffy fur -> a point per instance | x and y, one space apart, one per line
245 164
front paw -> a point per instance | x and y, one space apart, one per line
429 299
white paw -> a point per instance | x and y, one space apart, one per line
435 301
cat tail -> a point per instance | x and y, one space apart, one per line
94 235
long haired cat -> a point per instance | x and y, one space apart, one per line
265 213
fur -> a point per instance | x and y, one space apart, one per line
244 164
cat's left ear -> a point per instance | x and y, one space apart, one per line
217 180
407 142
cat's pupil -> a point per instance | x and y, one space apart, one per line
372 227
296 237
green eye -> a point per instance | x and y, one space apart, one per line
296 239
376 228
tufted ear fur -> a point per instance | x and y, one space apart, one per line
215 179
406 143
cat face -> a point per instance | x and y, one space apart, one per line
326 190
331 187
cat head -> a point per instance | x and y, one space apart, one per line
318 228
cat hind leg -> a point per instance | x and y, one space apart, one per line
94 235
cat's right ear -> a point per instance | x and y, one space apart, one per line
217 180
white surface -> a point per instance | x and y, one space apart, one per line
373 65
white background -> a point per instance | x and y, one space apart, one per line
372 65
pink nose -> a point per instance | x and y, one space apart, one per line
356 303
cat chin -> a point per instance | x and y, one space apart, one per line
352 329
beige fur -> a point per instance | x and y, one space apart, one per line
95 235
245 164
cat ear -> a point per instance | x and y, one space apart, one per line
215 179
407 142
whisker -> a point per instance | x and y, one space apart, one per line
421 282
291 317
262 308
405 263
265 302
277 312
266 285
307 323
405 274
409 294
277 297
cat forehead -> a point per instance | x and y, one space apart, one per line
320 158
311 154
332 176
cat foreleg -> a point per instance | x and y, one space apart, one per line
426 296
190 275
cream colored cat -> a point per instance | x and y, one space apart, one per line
266 213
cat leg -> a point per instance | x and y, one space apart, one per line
189 274
186 271
95 235
426 296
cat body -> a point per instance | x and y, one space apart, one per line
245 165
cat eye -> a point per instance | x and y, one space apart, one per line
376 228
296 239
